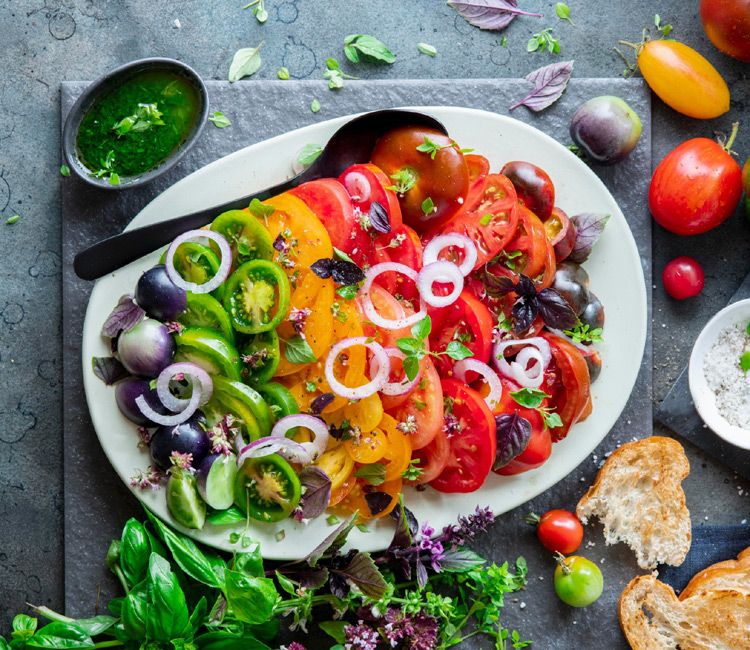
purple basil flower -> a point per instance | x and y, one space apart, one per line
361 637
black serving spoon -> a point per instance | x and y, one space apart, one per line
352 143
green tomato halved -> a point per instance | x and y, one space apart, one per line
260 357
203 310
267 489
247 237
208 349
256 297
183 500
196 263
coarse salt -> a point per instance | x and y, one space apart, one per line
730 385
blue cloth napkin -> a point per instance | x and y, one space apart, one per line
711 544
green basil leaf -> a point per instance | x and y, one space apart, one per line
198 615
64 171
4 645
226 640
95 625
342 255
309 154
286 584
232 515
260 209
529 397
297 350
187 555
551 420
334 629
167 609
411 367
426 48
249 561
134 551
369 47
373 473
351 53
314 106
135 611
421 330
428 206
409 346
24 626
245 63
251 599
283 73
60 636
457 350
219 120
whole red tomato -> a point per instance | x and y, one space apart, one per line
727 24
559 531
683 278
696 187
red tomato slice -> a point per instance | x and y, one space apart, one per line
331 203
471 437
401 245
468 321
367 183
492 222
567 381
479 168
432 458
389 308
425 405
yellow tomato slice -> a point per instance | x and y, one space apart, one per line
364 414
398 451
338 464
368 447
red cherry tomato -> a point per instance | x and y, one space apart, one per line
727 24
533 187
683 278
331 203
560 531
696 187
368 183
470 430
442 178
425 406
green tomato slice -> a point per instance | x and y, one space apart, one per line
257 296
260 357
244 403
183 501
208 349
279 399
203 310
247 237
267 489
196 263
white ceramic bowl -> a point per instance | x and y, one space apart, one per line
703 396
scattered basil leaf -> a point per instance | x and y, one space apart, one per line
543 40
64 170
356 45
315 108
422 328
426 48
664 30
513 435
246 62
342 255
549 83
348 292
297 350
333 541
404 179
411 367
551 419
377 501
317 491
589 228
430 147
555 311
250 598
309 154
529 397
413 472
219 120
11 220
489 14
373 473
457 350
260 210
428 206
230 516
108 369
582 333
114 178
563 12
283 73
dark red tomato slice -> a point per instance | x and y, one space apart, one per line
432 458
540 444
470 429
567 381
425 406
440 176
479 169
401 245
492 222
367 183
468 321
331 203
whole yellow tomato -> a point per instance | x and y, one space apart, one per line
683 79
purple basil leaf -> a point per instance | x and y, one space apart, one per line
461 561
379 218
378 501
524 312
555 310
421 573
338 585
333 542
513 435
279 243
406 527
498 285
525 287
345 273
549 84
322 268
317 491
489 14
320 402
589 228
126 315
108 369
305 575
362 572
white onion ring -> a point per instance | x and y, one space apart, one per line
518 370
528 376
196 374
369 309
310 450
370 388
485 372
221 273
177 418
441 242
357 186
273 445
440 271
394 388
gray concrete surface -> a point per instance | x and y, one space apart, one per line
47 41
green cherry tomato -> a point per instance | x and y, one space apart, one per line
257 296
248 238
251 413
578 581
279 399
260 357
196 263
183 500
267 488
208 349
203 310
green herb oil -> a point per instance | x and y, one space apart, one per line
138 151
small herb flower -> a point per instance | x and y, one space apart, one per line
361 637
150 479
181 460
173 327
144 438
298 317
409 425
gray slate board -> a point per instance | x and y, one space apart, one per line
677 412
96 504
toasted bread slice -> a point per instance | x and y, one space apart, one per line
730 575
638 497
653 618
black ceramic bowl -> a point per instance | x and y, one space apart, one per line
106 83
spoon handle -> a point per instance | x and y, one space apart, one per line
114 252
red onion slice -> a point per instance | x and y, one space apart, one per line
486 373
519 370
194 373
369 309
441 242
440 271
177 418
357 186
274 445
221 273
310 451
370 388
394 387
